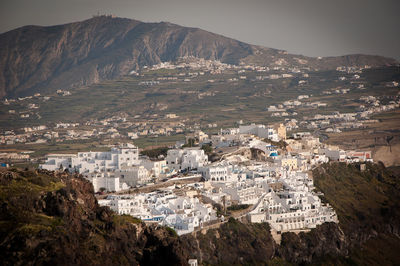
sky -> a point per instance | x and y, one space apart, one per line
308 27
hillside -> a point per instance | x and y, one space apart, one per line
36 59
367 204
55 219
49 218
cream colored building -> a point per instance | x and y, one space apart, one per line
281 130
289 162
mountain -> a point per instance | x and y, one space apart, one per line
35 59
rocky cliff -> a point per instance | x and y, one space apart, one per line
54 219
35 59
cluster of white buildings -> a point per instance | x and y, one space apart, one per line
292 205
194 63
275 183
279 189
115 170
183 213
121 167
87 162
281 192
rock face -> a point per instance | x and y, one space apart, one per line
55 219
34 59
326 240
368 208
233 243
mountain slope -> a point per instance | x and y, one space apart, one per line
34 58
85 52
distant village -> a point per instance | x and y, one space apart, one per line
123 126
166 124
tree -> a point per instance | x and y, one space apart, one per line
155 153
207 148
388 139
190 143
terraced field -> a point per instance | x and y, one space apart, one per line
205 98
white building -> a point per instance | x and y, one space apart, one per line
107 181
186 159
334 155
127 204
216 173
125 155
260 131
229 131
156 168
58 161
184 214
296 207
246 192
134 175
267 148
89 162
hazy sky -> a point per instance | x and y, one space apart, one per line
309 27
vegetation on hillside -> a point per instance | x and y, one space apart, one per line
234 243
238 207
156 152
361 198
48 218
368 206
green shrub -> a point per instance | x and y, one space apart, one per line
171 231
154 153
238 207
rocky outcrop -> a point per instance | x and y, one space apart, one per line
61 223
327 240
231 244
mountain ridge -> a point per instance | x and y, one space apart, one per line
36 58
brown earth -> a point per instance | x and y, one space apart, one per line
382 138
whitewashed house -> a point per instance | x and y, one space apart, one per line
58 162
260 131
186 159
89 162
216 173
134 175
334 155
156 168
124 155
107 181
